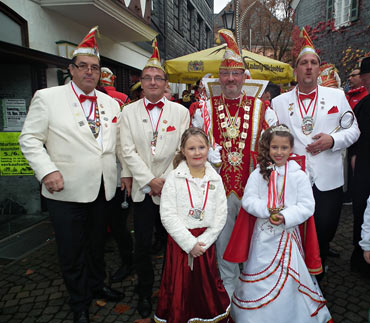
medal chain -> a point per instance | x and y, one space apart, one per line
242 134
153 142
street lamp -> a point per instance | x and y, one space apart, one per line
228 19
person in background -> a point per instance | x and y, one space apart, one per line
107 82
70 140
361 163
153 128
136 92
365 233
312 112
357 91
272 90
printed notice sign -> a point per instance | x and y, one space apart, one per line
14 114
12 161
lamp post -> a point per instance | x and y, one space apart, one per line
236 24
228 19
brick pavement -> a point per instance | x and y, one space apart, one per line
31 290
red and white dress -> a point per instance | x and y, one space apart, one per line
275 284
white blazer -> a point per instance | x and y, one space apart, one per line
56 120
136 135
326 168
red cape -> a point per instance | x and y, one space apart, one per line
238 248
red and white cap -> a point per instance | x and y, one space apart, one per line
307 47
106 77
155 60
232 58
89 45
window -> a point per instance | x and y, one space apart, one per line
190 24
13 28
345 11
176 14
329 9
200 34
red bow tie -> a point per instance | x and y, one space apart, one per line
159 104
310 96
83 98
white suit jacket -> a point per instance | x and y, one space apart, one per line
56 119
136 135
326 168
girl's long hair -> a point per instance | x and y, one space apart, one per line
193 131
264 158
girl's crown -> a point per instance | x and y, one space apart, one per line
280 128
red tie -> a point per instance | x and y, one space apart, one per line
159 104
83 98
307 96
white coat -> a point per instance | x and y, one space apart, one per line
175 206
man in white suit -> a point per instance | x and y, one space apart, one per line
153 128
69 139
312 112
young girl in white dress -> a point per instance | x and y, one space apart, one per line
193 211
275 284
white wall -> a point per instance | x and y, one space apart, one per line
45 27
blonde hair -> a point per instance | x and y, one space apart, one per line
193 131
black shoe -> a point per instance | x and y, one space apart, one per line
81 317
144 307
333 253
109 294
121 273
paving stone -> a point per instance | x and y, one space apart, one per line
11 302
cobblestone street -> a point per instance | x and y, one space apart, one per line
32 290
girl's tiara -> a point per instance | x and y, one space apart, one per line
280 128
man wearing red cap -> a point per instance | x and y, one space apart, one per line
236 123
69 139
153 129
312 112
107 82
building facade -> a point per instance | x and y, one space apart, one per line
336 26
183 27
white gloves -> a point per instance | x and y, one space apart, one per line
214 155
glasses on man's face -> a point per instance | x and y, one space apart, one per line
233 73
156 79
84 67
353 75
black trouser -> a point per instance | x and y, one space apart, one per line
145 214
80 234
118 226
328 205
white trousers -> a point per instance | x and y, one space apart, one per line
229 271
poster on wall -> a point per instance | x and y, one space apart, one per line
14 113
12 161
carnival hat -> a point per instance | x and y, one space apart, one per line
232 58
155 60
89 45
307 47
365 65
329 76
106 77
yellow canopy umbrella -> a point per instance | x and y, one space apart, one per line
192 67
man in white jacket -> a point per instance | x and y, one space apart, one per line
312 112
